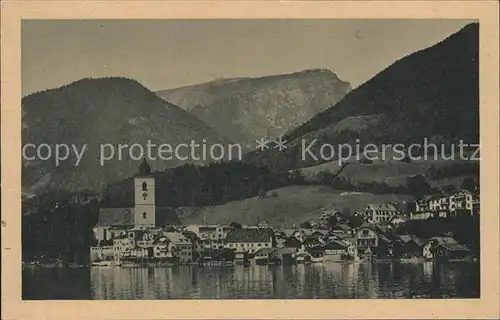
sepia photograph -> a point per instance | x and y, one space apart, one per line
250 159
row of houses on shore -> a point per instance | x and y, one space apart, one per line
184 244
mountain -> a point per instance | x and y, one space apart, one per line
101 111
432 93
246 109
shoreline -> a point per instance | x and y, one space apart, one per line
232 264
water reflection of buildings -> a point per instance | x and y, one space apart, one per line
140 283
328 280
350 277
427 267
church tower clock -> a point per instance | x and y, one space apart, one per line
144 190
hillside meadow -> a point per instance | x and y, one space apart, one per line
284 206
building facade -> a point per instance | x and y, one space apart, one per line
379 213
459 203
211 237
250 240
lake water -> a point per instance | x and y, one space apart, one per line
328 280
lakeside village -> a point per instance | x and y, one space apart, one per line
147 234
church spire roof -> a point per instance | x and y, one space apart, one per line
144 169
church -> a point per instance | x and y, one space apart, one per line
144 215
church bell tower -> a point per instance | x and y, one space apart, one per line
144 190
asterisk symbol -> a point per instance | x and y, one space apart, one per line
262 144
280 144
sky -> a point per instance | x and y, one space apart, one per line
164 54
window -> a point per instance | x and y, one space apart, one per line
260 244
144 215
144 186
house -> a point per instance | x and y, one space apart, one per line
453 251
341 229
293 242
379 213
352 249
301 234
422 205
387 231
141 253
314 232
179 246
397 221
326 215
122 247
374 239
287 232
143 238
460 202
366 238
161 248
196 243
101 253
250 240
408 246
126 240
316 252
444 247
422 210
341 218
312 241
266 256
275 255
438 203
114 222
336 248
212 237
341 248
281 239
295 233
